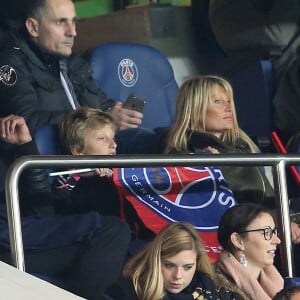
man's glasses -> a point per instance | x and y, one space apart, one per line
268 232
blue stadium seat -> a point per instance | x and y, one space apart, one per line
123 68
47 139
253 89
291 281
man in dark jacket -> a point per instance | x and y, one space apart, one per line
76 247
251 30
33 79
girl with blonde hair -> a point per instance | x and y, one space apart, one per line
174 266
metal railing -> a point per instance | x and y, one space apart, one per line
277 162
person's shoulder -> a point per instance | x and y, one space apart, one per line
11 50
226 288
13 65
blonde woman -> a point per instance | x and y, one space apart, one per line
173 266
206 121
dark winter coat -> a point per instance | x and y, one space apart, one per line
30 84
248 183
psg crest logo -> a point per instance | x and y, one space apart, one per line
8 75
128 72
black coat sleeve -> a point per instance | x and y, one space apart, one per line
123 289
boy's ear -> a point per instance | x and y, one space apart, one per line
76 150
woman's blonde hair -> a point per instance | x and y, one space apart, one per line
145 267
75 125
192 101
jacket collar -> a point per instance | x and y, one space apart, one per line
33 52
200 140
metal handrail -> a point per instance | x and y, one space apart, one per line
278 163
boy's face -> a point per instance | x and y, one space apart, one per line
99 141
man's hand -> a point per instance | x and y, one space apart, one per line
125 118
14 130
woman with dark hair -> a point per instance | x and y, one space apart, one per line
249 244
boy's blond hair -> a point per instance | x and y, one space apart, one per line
75 125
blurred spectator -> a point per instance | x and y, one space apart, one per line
287 99
253 29
291 293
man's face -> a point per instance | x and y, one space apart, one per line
55 30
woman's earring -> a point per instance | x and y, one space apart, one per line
243 260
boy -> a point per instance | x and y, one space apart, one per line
77 247
89 131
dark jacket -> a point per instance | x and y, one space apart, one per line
30 83
30 86
201 283
41 225
287 98
34 185
248 183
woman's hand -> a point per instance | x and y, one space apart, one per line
211 149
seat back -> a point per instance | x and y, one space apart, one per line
253 89
123 68
47 139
